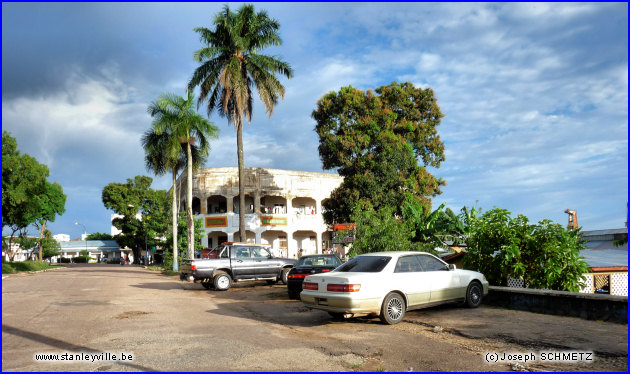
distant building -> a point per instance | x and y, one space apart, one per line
19 253
608 260
62 237
283 207
100 250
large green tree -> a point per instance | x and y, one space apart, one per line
48 246
379 231
231 66
165 152
381 143
544 255
169 255
27 196
100 236
49 202
175 120
144 213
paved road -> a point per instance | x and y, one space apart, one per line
169 325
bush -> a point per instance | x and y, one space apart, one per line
544 255
379 231
64 260
7 268
26 266
82 259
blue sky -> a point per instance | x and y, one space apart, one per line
535 95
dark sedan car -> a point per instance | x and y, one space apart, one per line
307 265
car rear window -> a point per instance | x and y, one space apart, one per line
365 264
330 261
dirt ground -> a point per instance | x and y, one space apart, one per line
165 324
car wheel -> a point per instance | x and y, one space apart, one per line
206 285
393 309
285 274
222 281
336 315
474 294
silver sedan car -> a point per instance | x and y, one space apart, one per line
387 284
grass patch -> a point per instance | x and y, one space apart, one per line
170 272
25 266
7 269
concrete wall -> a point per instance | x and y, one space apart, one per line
587 306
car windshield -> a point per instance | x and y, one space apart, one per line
365 264
329 261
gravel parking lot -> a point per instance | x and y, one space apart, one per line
170 325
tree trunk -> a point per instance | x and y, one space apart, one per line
10 249
175 215
189 216
41 237
241 182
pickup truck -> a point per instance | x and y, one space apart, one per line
236 262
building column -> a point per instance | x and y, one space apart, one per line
292 247
257 202
318 242
203 202
258 237
229 204
289 199
230 237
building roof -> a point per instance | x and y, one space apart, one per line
605 232
92 245
602 253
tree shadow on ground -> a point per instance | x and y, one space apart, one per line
65 346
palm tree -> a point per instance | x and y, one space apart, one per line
164 153
179 136
230 67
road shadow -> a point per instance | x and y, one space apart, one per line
65 346
271 304
165 286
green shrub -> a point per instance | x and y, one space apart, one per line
64 260
7 268
544 255
26 266
82 259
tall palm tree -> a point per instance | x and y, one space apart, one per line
230 66
179 136
163 153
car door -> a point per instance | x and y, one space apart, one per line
266 265
243 265
444 283
410 279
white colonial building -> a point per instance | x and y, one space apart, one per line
283 207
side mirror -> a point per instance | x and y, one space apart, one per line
451 267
